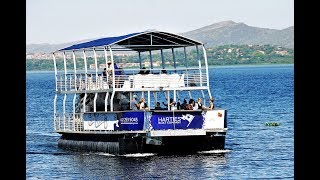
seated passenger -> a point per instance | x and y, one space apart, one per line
171 104
190 106
158 106
211 106
143 104
199 104
134 105
184 104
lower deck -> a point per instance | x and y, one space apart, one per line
153 123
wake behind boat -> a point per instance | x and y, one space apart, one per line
117 110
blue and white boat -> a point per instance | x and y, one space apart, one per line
92 109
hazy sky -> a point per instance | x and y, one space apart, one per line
61 21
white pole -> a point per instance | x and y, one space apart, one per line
84 102
206 62
175 95
106 102
105 56
149 99
65 70
140 60
55 110
75 70
74 104
162 59
64 111
112 67
111 101
151 65
95 102
96 65
185 57
85 69
203 98
55 70
174 59
199 62
168 99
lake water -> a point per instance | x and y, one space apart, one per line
253 96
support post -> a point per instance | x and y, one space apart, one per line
75 70
140 63
174 60
96 66
65 71
106 102
85 69
151 65
162 59
55 70
199 62
95 102
206 62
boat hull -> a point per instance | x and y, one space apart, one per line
138 143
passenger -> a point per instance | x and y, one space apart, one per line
163 71
143 104
190 106
104 73
171 104
179 105
184 104
211 106
124 102
199 103
134 105
142 71
158 106
116 105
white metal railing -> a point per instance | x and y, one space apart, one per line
133 78
68 122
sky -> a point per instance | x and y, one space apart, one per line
63 21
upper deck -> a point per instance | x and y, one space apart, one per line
160 78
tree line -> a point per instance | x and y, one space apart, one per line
220 55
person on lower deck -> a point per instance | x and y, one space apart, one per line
171 104
143 105
134 105
158 106
198 104
211 106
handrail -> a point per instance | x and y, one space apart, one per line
132 78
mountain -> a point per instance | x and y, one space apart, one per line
229 32
222 33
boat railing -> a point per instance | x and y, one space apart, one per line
100 122
156 78
68 122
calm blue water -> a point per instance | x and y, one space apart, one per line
253 95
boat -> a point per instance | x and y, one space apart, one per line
92 109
